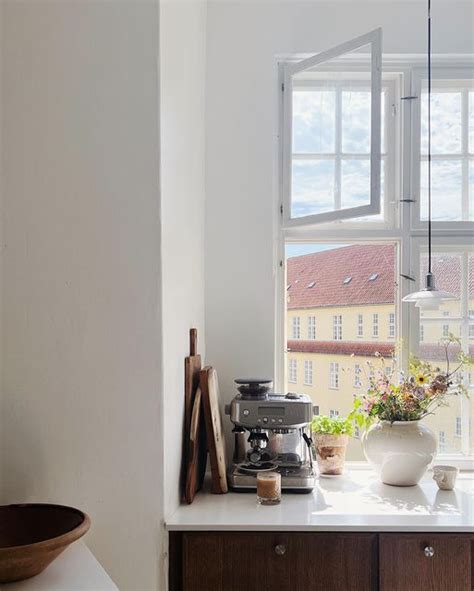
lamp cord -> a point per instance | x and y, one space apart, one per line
429 136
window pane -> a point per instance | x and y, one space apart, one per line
356 121
447 269
314 115
353 292
471 191
471 122
312 187
446 132
355 183
436 325
446 190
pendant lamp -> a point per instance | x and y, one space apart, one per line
429 298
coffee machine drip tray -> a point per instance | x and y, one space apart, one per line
298 479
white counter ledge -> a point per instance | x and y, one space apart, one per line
76 569
356 501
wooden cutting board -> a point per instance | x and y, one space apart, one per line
192 368
214 432
195 444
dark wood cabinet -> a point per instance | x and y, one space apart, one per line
320 561
435 562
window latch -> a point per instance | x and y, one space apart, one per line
408 98
407 277
407 200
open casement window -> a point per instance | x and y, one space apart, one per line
332 134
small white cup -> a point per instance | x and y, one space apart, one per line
445 476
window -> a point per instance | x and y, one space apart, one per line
356 432
442 441
337 327
334 375
452 146
375 325
357 375
333 414
308 373
311 328
296 333
391 325
292 373
458 427
320 169
383 253
360 325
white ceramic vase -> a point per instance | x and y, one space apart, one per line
400 452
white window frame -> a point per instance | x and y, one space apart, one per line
375 325
391 325
337 327
308 372
292 371
311 328
333 413
334 375
357 375
458 427
360 326
296 328
374 39
402 228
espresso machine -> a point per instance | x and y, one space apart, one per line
272 433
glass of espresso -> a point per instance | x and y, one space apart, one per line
268 488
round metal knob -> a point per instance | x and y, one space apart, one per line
280 549
429 551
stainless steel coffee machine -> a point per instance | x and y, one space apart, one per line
272 432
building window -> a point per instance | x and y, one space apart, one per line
312 328
308 373
471 331
333 414
337 327
334 375
442 441
445 330
446 313
375 325
296 332
360 325
422 333
356 432
391 325
458 429
292 373
357 375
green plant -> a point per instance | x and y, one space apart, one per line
324 425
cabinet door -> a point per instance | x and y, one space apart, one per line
238 561
435 562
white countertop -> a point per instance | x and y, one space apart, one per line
356 501
76 569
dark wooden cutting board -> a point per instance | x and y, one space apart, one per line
193 475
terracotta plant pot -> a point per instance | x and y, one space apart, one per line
331 453
32 536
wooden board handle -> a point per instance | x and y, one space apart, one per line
193 335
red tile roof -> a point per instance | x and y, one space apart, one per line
363 349
328 270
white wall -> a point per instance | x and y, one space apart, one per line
243 40
182 57
81 246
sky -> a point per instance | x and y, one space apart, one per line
314 132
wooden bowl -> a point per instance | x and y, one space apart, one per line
33 535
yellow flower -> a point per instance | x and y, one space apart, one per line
421 379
